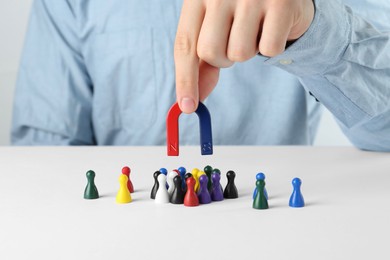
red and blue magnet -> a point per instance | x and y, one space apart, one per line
206 140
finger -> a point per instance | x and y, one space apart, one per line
276 28
214 35
244 34
208 78
186 59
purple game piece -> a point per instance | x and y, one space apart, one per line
203 193
217 193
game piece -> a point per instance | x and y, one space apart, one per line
219 172
91 191
186 176
170 177
126 171
123 195
182 171
216 193
260 202
155 186
296 199
230 191
162 195
172 123
208 170
203 193
260 176
190 199
198 174
177 196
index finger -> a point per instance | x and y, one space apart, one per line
186 57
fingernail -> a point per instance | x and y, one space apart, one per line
187 105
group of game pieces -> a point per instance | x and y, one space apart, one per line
260 194
192 189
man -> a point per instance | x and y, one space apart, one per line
102 72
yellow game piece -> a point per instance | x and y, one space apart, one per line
123 195
194 173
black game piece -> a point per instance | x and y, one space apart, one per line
178 194
230 191
155 186
186 176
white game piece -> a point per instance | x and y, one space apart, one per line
162 195
171 185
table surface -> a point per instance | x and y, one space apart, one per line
43 213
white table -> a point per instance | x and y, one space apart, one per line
43 214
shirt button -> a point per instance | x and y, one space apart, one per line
285 61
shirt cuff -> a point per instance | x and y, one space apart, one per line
321 46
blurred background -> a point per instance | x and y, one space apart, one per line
13 23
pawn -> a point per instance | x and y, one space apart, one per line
126 171
197 185
260 176
296 199
182 171
123 195
194 173
208 170
216 193
230 191
170 177
177 196
219 172
91 191
190 199
186 176
203 193
260 201
162 193
155 186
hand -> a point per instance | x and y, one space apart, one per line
213 34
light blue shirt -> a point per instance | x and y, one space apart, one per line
102 73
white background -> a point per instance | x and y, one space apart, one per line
13 22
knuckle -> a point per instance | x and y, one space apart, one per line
269 51
183 44
207 53
186 84
239 54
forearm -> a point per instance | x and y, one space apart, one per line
343 61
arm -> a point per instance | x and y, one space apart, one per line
53 95
344 62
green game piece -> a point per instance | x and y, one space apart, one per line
260 201
209 170
91 191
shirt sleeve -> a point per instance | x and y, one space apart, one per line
53 93
344 62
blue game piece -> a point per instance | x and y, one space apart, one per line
260 176
182 172
296 199
203 193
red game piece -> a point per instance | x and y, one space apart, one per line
126 171
191 199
